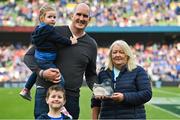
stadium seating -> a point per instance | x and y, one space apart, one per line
109 13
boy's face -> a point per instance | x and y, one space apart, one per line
49 18
56 99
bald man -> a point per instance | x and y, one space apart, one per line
73 62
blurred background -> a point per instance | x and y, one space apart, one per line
151 27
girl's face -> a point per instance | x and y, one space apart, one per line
56 99
119 58
49 18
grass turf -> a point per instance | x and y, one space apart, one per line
14 107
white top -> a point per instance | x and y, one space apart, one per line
116 72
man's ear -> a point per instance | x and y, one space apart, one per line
71 15
89 19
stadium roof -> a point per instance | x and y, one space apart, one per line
108 29
134 29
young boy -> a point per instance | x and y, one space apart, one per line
55 98
45 39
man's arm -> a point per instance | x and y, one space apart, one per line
95 113
90 73
95 107
91 76
30 61
51 74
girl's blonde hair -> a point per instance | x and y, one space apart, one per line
43 10
127 50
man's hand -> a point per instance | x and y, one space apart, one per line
102 97
52 74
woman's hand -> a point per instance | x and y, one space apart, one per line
119 97
52 74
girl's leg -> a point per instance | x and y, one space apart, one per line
31 81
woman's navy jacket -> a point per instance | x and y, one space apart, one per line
135 86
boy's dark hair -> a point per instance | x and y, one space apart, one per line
55 88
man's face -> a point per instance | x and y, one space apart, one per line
81 18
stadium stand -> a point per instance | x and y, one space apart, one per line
104 13
12 67
161 61
157 18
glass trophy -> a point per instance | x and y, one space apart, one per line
103 89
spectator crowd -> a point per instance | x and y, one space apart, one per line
104 12
12 67
161 61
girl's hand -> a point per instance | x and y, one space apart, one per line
73 39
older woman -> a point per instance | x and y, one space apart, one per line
130 83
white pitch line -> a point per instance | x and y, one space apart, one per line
162 91
164 100
165 111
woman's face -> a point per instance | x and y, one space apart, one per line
119 58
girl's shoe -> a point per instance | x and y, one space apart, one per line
25 93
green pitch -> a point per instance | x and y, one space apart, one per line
165 104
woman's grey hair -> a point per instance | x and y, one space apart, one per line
127 50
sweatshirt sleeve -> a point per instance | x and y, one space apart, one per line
90 73
95 102
57 38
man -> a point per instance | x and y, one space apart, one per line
73 62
